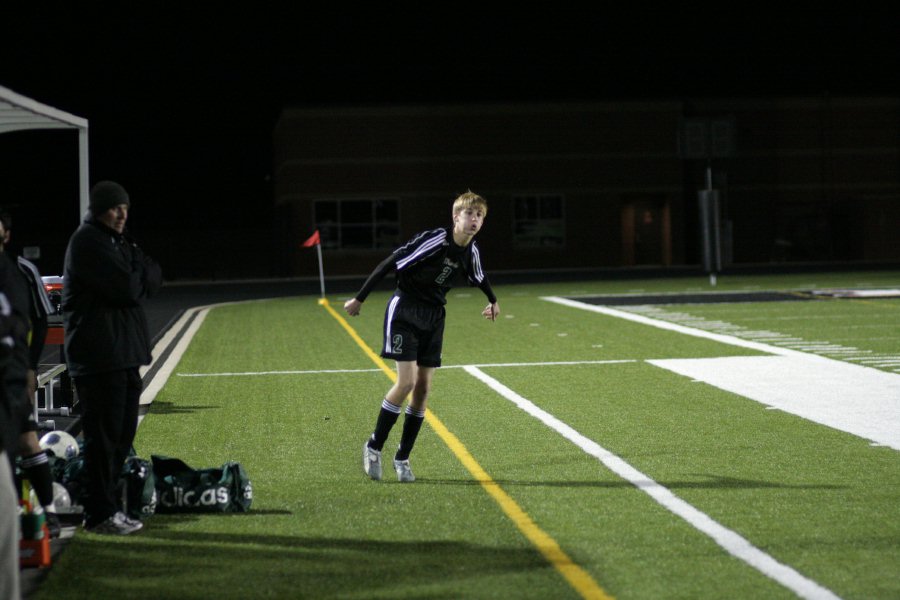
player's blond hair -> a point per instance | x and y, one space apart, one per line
469 200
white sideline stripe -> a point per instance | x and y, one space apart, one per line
163 343
718 337
159 380
162 375
730 541
321 371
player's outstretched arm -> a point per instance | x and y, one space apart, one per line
352 306
491 311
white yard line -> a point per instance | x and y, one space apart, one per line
320 371
852 398
544 364
732 542
258 373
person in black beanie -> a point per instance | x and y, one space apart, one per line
106 278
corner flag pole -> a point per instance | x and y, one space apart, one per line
321 271
314 240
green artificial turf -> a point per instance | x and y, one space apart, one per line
819 500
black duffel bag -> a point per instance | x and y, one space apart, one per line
180 488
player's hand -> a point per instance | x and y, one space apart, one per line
491 311
352 306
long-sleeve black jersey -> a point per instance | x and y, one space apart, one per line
428 265
40 310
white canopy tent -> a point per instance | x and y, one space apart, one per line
18 113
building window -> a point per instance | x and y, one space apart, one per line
358 224
538 221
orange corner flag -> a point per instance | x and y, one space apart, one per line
312 241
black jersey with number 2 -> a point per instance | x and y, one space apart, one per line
429 265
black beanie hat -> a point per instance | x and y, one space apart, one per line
106 195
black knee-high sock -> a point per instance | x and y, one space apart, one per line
37 470
412 423
386 419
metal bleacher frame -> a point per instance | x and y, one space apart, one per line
51 374
47 379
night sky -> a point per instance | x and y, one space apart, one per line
182 102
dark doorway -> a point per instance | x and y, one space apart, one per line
646 233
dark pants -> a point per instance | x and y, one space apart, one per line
109 422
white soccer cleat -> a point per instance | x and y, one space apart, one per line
372 462
118 524
404 473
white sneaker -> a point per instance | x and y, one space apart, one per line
404 473
372 462
132 522
118 524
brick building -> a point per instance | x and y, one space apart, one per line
595 185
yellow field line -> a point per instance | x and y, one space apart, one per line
577 577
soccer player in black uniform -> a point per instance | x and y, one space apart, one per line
427 267
26 292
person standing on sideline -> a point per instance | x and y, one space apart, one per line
10 325
427 267
25 291
105 279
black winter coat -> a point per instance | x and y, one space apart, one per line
106 277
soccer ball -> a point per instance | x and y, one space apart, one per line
60 443
62 500
61 497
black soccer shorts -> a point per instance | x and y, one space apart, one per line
413 331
